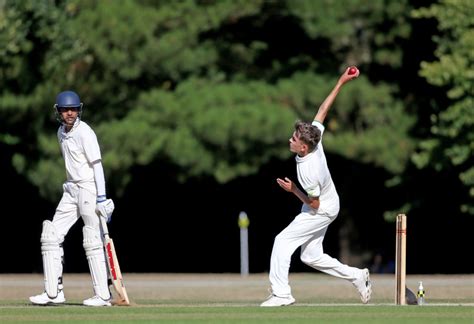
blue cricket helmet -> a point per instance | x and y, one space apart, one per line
68 99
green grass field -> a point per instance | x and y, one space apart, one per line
229 298
238 314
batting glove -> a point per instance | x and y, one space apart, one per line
105 208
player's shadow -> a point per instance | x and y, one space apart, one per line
59 305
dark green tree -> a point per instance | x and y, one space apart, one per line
210 87
450 142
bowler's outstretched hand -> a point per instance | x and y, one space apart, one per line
349 75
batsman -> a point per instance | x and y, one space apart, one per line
84 196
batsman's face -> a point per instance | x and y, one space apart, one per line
68 115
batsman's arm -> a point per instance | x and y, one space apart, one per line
327 103
99 181
289 186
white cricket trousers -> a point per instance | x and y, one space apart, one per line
76 202
306 230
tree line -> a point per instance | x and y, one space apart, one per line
211 89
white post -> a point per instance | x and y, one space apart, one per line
244 244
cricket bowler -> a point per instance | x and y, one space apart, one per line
320 208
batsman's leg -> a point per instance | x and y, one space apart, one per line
97 265
51 252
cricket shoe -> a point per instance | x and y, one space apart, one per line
364 286
44 299
96 301
275 301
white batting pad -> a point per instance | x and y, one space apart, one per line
96 258
50 252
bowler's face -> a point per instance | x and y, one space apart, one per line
296 145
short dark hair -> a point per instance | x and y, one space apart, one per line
308 134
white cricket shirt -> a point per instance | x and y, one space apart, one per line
80 149
315 178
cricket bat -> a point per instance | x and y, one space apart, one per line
114 267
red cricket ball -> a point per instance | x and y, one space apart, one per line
352 70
